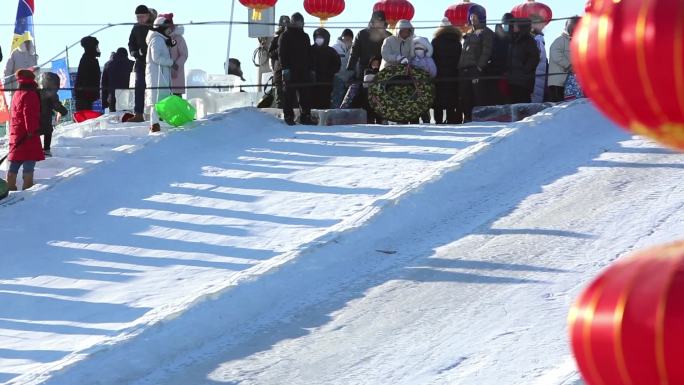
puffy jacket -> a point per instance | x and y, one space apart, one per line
326 60
294 52
116 75
25 121
179 55
158 72
87 85
137 44
394 49
367 45
542 70
560 61
425 63
477 48
49 101
447 47
524 59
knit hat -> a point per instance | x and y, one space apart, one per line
25 76
161 23
142 10
168 17
446 23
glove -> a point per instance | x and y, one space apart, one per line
404 61
286 75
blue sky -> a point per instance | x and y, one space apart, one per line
207 44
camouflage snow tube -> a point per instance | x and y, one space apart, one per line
401 93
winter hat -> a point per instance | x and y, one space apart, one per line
478 10
153 13
423 43
297 19
161 23
379 15
89 43
446 23
142 10
347 33
25 76
168 17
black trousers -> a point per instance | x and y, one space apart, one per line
521 94
473 92
278 88
453 115
322 96
140 86
297 94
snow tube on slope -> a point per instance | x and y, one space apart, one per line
176 111
401 93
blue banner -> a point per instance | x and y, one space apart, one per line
61 68
23 28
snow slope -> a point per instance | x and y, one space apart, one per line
137 229
259 254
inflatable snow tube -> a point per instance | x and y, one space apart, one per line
401 93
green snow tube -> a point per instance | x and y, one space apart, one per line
175 111
401 93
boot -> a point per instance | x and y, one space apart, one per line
155 128
28 181
11 181
138 118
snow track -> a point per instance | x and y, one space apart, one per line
454 261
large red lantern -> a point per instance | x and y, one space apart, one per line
395 10
629 58
530 9
258 6
324 9
626 328
458 14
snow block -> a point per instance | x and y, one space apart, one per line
508 113
223 93
337 117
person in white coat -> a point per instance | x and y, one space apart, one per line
560 64
159 65
399 49
541 79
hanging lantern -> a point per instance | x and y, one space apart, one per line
626 327
458 14
258 6
395 10
629 59
324 9
530 9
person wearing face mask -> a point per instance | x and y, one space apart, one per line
159 65
342 78
399 49
326 64
87 85
560 64
499 92
423 60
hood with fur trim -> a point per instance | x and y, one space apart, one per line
425 43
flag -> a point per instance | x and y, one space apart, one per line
61 68
23 28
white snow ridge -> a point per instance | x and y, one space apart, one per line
243 251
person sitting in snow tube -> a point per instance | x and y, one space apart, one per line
25 147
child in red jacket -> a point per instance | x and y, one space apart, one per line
25 147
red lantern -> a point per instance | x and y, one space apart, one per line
458 14
626 328
324 9
258 6
629 58
532 8
395 10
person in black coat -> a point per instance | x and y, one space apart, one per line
523 61
368 44
137 46
498 66
296 61
115 76
326 64
49 103
273 54
87 87
447 53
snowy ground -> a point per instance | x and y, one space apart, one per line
244 251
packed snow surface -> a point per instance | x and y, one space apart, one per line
243 251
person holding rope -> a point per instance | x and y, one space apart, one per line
24 131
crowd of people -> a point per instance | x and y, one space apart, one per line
475 66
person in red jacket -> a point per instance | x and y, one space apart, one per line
25 146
